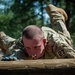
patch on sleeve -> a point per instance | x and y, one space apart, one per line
61 53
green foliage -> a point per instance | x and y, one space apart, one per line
5 21
17 14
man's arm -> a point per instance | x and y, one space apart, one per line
61 48
5 42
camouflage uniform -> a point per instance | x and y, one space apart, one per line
5 42
59 42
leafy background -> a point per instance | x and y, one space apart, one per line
15 15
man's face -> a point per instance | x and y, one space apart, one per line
34 47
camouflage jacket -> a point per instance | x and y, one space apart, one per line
58 46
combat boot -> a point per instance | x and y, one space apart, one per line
51 10
5 42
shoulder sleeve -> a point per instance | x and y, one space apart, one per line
17 46
58 44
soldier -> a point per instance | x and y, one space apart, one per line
44 42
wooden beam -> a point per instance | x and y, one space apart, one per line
39 64
41 67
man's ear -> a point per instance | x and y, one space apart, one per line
44 41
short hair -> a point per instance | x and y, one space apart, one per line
30 31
